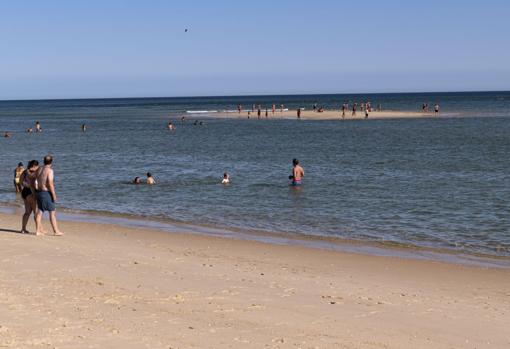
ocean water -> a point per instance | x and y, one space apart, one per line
435 182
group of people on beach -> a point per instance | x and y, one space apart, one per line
37 187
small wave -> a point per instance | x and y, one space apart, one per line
201 111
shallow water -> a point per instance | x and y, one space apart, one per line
442 183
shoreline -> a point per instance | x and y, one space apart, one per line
331 243
108 286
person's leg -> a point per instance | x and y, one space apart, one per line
26 215
38 223
54 225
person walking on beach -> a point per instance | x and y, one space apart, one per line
344 107
273 108
46 197
17 174
297 173
27 180
239 108
354 107
436 109
299 113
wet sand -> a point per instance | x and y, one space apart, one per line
107 286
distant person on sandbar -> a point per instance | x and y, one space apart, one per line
38 126
226 179
46 197
17 175
281 108
343 110
249 113
273 108
266 113
258 112
314 106
436 109
297 173
366 113
354 107
299 113
137 180
239 108
150 179
27 179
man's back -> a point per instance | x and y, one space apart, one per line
44 175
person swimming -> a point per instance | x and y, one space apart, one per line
226 178
136 180
150 179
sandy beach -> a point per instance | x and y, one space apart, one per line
327 115
106 286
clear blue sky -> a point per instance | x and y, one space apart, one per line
68 49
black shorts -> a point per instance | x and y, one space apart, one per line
25 193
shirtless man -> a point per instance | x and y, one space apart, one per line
46 197
150 179
297 173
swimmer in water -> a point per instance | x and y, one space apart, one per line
83 128
170 126
38 126
150 179
297 173
226 178
136 180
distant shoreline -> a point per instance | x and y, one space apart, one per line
423 93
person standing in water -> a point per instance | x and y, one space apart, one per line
46 197
297 173
38 126
436 109
83 128
17 175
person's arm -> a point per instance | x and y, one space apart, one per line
51 186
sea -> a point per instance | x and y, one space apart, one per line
432 183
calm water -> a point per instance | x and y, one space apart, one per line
442 183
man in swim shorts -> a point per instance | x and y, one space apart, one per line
297 173
46 197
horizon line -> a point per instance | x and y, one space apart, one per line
251 95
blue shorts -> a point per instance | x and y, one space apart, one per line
44 201
296 183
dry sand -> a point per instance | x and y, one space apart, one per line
328 115
106 286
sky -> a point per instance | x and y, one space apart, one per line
113 48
